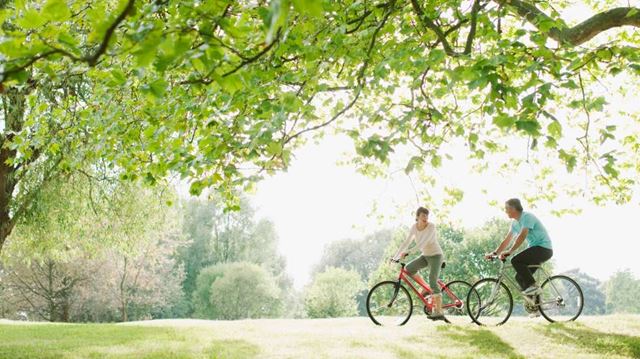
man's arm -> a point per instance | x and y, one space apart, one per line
502 245
518 242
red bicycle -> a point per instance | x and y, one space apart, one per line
389 302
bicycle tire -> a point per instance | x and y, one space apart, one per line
547 316
446 299
474 290
401 289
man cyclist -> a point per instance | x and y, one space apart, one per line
524 226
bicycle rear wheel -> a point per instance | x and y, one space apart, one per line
454 299
389 304
561 299
489 302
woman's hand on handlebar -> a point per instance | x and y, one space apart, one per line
394 260
504 255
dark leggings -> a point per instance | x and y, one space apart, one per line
530 256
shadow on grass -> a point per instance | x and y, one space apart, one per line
585 337
483 342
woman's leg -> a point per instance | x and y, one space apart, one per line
434 273
414 266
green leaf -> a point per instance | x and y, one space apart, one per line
436 161
597 104
437 55
56 10
231 83
274 149
158 88
309 7
413 162
555 129
569 160
528 126
196 188
31 20
504 121
119 78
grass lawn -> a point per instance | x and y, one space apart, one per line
590 337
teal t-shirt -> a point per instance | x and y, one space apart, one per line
537 235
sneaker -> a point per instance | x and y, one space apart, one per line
532 290
534 314
434 316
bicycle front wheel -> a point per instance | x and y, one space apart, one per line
489 302
389 304
561 299
454 299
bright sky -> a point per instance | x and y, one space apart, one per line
316 202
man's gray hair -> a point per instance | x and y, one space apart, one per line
515 204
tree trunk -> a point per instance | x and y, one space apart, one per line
123 293
13 110
65 310
50 295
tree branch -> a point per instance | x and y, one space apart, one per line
90 59
206 80
584 31
429 24
360 79
472 30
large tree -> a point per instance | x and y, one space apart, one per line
361 255
622 289
222 91
90 250
219 236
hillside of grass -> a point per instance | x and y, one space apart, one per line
589 337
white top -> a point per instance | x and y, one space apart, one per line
426 240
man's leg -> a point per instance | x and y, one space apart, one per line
520 263
530 256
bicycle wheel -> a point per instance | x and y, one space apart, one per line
389 303
561 299
489 303
454 298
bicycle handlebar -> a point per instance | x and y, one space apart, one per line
495 256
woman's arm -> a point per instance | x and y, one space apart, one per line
404 246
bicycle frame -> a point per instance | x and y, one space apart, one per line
502 277
404 277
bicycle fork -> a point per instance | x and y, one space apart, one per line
395 294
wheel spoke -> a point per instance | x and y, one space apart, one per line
454 304
489 303
561 299
384 309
